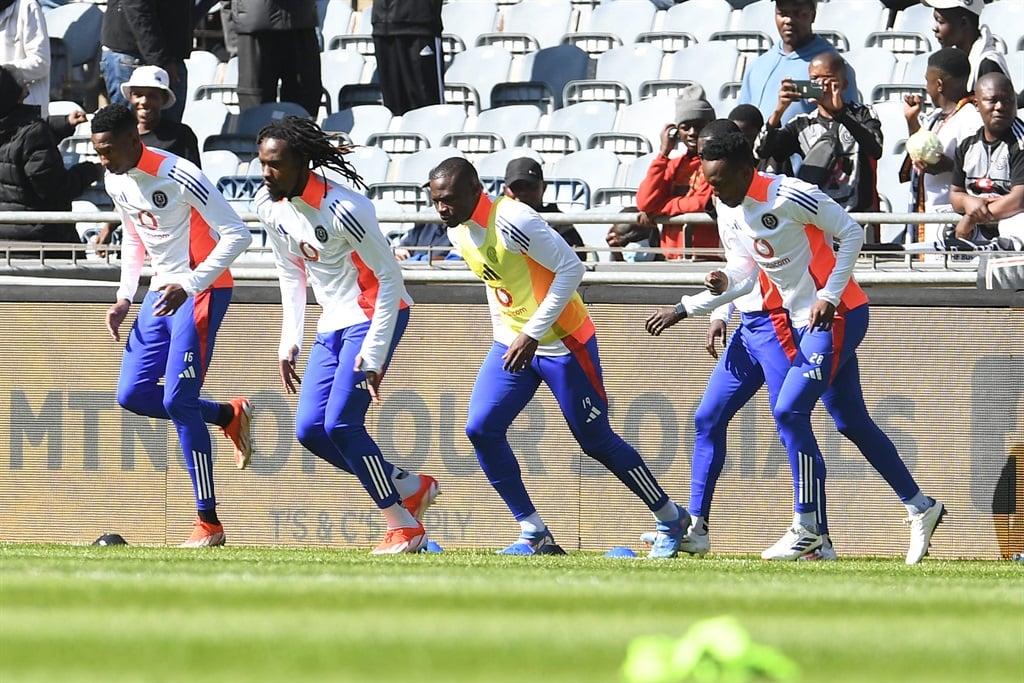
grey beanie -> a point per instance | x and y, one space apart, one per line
691 105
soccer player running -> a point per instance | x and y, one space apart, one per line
172 212
327 233
777 230
542 333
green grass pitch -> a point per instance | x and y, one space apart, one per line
135 614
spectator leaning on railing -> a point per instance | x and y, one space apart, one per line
32 173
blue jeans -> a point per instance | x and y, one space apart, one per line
117 68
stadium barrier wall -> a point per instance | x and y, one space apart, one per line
947 386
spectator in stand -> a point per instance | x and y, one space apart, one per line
635 237
988 169
954 118
840 142
32 172
277 44
958 24
748 119
147 32
676 185
149 93
524 182
25 49
789 58
425 242
407 42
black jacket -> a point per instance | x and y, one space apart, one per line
251 16
158 31
33 177
406 18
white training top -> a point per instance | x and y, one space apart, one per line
171 211
330 234
782 227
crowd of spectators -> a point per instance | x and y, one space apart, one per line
823 134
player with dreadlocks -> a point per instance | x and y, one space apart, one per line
328 233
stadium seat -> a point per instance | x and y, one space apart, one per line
433 121
701 18
1005 19
583 119
74 33
534 93
360 122
750 44
570 194
482 68
914 72
410 196
593 90
220 163
337 20
551 145
493 165
611 25
398 144
230 75
416 168
467 19
903 45
648 118
357 94
464 95
339 68
596 167
667 88
625 146
556 66
855 19
508 122
756 16
474 144
872 64
710 64
1015 64
894 124
202 70
250 121
243 146
836 39
613 196
226 95
637 170
372 163
630 65
669 42
545 20
918 19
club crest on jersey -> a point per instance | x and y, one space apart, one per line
492 255
770 221
321 233
159 199
764 248
503 296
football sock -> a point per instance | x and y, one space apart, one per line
699 526
532 524
209 516
405 482
669 512
808 520
225 415
919 503
397 516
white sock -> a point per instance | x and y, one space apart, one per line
918 503
669 512
699 525
397 516
406 483
532 524
808 520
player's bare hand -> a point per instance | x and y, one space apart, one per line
715 333
115 316
289 377
520 353
172 296
662 319
716 282
373 379
822 314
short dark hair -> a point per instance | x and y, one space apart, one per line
951 61
955 15
114 118
730 146
747 113
454 167
717 128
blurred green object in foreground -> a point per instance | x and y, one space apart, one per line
715 650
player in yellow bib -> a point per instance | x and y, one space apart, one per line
542 333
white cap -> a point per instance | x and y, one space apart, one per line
970 5
149 77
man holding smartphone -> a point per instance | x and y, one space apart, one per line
837 142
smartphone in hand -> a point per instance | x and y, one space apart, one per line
809 90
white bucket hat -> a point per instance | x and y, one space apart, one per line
150 77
